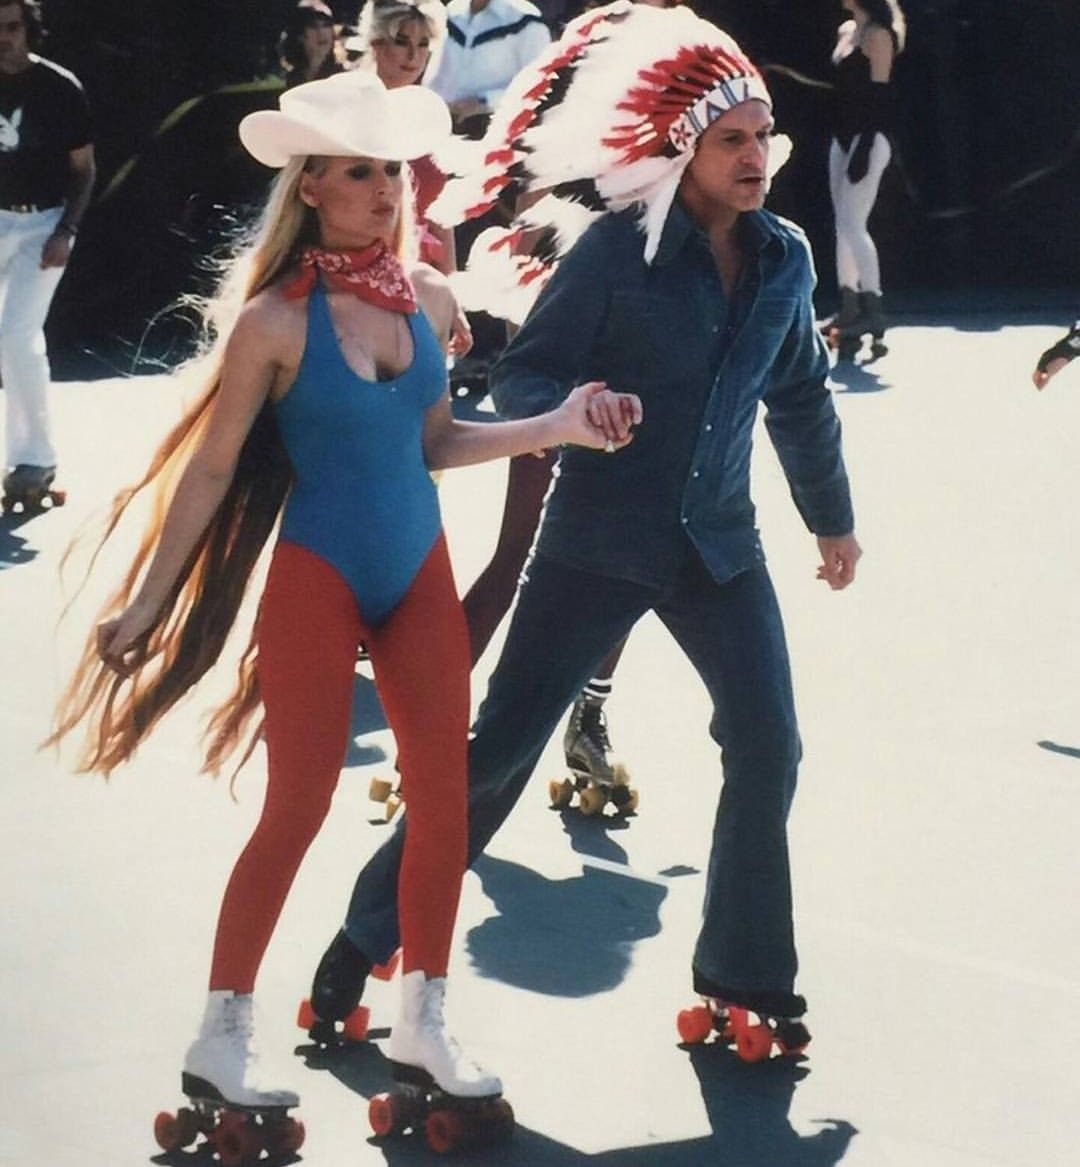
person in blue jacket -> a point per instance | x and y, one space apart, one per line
701 307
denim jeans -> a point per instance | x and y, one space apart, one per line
26 291
565 622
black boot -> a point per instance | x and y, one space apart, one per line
339 980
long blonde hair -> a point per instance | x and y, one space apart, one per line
201 607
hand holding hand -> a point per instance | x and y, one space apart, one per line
839 555
600 418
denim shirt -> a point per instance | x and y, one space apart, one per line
701 363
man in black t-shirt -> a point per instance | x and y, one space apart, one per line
46 178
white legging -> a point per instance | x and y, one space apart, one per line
857 264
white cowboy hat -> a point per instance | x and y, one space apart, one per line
350 114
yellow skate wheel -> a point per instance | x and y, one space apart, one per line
591 801
560 793
620 776
380 790
393 805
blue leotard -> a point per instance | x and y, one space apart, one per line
363 499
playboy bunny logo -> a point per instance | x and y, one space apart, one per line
9 132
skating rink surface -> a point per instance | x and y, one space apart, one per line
934 836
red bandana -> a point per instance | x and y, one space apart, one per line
374 274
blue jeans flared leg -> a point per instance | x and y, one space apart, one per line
733 635
565 622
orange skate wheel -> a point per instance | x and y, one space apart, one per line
560 793
385 972
393 805
694 1025
444 1130
306 1015
285 1136
380 790
356 1024
620 775
753 1040
592 800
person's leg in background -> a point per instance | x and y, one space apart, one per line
24 364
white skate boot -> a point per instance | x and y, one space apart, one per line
223 1062
419 1042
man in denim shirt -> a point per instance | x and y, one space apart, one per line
719 320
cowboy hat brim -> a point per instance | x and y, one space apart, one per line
411 122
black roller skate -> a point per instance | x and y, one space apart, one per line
333 1014
29 488
595 779
851 327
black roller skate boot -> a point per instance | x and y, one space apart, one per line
335 995
30 488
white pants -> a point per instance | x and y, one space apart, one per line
26 291
857 264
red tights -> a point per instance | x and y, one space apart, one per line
309 630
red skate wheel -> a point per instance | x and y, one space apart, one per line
235 1139
694 1024
356 1024
445 1131
284 1136
383 1116
753 1040
385 972
173 1131
306 1015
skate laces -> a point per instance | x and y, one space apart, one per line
594 726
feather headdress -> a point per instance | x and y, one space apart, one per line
608 117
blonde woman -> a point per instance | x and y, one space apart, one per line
329 406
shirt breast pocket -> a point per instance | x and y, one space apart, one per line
634 342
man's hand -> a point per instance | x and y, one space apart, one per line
614 415
57 250
839 554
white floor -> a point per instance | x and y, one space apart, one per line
934 835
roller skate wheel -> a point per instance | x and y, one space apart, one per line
499 1120
173 1131
620 776
753 1040
694 1025
560 793
591 800
385 972
393 805
236 1140
792 1038
444 1131
306 1017
380 790
356 1025
382 1114
285 1136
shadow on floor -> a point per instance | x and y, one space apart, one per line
562 937
1055 748
747 1107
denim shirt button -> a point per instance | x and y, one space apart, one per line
708 427
696 474
685 520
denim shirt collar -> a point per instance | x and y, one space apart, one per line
758 232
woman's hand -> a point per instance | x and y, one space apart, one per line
121 643
600 418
